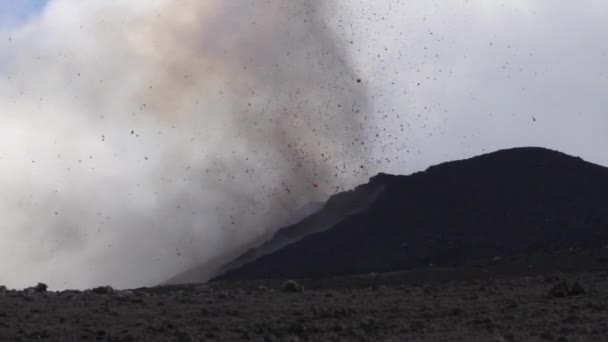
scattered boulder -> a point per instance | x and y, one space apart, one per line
103 290
40 287
292 286
566 289
123 294
262 288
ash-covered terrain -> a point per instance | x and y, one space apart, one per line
508 246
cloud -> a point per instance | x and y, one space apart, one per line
140 139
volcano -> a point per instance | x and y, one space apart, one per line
503 204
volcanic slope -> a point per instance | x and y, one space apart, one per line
325 216
520 201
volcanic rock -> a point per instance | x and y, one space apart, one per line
292 286
40 287
101 290
567 289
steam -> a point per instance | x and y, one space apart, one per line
139 140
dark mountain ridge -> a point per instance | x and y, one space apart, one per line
327 215
515 201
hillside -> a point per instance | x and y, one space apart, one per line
510 202
325 216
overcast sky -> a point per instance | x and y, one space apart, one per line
116 113
473 76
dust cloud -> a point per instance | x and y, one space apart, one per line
140 138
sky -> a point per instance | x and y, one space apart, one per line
472 76
139 138
14 13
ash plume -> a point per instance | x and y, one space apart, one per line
139 140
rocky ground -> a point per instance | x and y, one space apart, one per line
392 307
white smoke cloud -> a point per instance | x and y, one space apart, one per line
140 138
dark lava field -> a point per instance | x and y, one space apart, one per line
393 307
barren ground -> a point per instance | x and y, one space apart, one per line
392 307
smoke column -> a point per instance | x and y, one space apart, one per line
140 138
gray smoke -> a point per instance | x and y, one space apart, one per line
139 140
